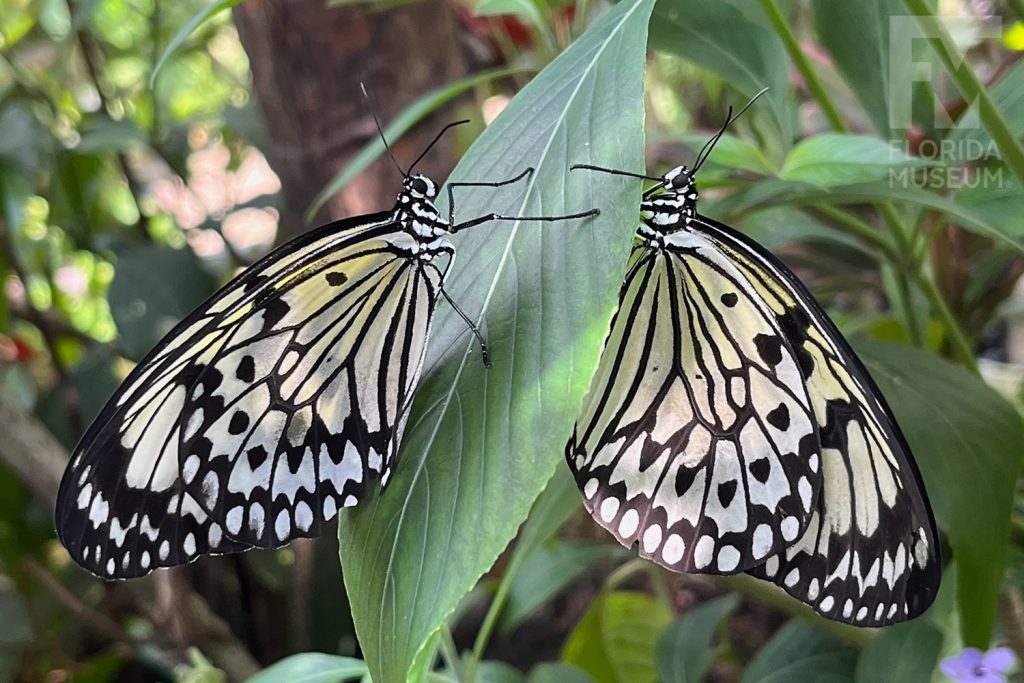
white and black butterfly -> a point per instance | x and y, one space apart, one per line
278 401
729 427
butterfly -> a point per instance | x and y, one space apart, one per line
278 401
729 427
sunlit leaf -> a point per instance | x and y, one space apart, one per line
483 442
615 640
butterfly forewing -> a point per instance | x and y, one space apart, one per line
870 554
303 345
696 440
295 416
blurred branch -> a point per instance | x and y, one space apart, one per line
29 451
37 459
101 623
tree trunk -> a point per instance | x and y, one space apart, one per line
308 60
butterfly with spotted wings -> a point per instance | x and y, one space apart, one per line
729 427
278 401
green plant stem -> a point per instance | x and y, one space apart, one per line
803 65
490 621
954 331
858 227
450 654
969 86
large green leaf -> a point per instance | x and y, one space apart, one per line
833 159
684 652
482 443
968 443
719 37
906 653
800 652
615 640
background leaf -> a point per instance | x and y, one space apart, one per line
800 652
185 31
312 667
968 442
832 159
906 652
684 652
721 38
862 53
142 300
558 673
615 640
482 443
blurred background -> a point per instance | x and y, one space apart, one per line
148 151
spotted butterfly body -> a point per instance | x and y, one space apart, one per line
730 428
280 400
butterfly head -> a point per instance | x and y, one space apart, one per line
680 181
672 203
419 187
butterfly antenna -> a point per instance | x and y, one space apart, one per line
612 171
434 141
380 130
706 150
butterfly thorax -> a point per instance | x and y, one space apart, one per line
416 212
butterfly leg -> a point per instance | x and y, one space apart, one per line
499 217
472 328
451 186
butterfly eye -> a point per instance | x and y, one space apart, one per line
680 181
419 185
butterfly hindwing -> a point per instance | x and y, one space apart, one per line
124 508
696 439
870 555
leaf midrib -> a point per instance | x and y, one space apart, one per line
446 402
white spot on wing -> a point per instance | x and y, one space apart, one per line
703 552
674 548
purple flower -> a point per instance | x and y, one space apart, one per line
974 666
